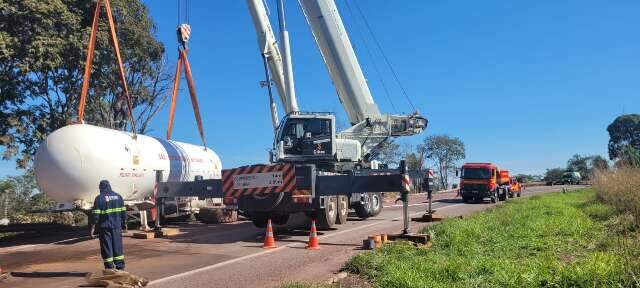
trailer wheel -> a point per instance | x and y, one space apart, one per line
343 210
363 210
326 217
259 219
502 196
210 215
376 204
279 219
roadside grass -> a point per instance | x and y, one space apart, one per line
554 240
620 188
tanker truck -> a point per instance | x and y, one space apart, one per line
72 160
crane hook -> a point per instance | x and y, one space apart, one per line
184 33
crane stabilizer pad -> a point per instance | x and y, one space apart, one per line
415 238
208 188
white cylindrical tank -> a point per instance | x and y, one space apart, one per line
72 160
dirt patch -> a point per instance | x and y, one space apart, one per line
353 281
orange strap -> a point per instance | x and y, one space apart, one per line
182 60
174 95
88 64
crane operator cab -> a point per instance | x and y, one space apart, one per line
305 137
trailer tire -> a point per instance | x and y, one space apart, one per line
326 217
502 196
376 204
259 219
210 215
363 209
343 210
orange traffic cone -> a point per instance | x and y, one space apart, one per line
269 242
313 237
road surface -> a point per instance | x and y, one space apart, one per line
222 255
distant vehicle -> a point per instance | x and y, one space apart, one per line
571 178
515 187
482 180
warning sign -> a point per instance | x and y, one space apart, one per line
257 180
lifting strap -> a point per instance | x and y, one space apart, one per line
182 60
89 63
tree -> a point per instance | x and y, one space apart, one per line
415 157
553 175
16 193
390 153
629 157
623 131
580 164
444 151
599 163
42 55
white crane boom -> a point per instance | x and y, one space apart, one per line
340 59
268 44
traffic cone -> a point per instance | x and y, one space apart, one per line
269 242
314 244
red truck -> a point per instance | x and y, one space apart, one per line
483 180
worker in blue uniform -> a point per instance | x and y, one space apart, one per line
109 218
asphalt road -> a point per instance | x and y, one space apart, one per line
222 255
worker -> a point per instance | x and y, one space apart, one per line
109 218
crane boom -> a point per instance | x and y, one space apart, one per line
268 44
340 59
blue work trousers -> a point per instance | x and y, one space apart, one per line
111 248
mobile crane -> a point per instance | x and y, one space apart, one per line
313 168
308 141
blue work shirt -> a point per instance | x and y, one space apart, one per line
109 210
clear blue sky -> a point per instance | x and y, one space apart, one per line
525 84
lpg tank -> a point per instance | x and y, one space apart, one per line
72 160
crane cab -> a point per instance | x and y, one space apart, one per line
311 138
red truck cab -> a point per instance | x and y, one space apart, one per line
479 181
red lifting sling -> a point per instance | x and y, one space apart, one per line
182 60
87 67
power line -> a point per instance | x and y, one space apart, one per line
366 46
384 56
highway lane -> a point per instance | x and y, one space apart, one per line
226 255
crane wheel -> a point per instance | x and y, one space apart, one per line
343 210
376 204
363 210
326 217
217 215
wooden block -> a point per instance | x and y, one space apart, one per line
144 235
415 238
170 231
164 232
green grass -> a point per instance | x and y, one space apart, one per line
555 240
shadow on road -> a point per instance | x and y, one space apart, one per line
452 200
48 274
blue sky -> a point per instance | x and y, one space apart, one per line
525 84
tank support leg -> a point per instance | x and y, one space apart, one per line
144 224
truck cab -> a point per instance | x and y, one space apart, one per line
479 181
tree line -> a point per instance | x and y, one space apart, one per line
623 150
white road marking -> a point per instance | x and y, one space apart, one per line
206 268
12 249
